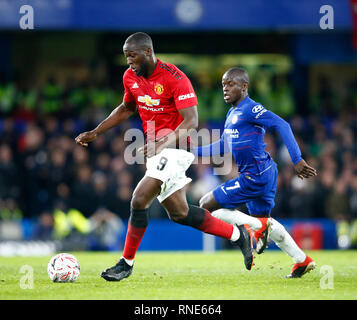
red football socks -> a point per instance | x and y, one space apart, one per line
214 226
132 241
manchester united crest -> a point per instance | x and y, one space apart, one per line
159 88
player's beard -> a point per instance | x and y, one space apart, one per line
143 71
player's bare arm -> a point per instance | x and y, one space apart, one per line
303 170
117 116
189 123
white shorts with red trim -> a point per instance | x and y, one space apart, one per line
169 166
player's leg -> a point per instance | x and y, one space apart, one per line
278 233
261 206
209 202
173 196
181 212
232 216
165 173
260 209
230 195
302 262
144 194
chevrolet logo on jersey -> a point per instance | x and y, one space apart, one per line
149 101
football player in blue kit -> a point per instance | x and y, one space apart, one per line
256 183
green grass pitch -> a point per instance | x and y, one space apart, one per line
187 276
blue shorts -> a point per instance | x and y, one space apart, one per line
257 192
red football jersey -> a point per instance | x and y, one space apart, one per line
159 97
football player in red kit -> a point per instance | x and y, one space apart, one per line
166 101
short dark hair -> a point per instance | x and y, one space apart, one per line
140 39
238 72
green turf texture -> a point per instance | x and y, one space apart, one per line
186 276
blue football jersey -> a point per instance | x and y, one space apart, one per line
243 136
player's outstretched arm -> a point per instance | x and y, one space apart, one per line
117 116
303 170
268 119
218 147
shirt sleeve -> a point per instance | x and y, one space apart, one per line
263 117
183 92
128 97
218 147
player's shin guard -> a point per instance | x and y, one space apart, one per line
138 222
202 219
285 242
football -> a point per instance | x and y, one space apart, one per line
63 267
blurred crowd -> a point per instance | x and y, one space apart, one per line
43 171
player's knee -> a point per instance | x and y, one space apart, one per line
205 205
138 201
208 202
203 202
179 215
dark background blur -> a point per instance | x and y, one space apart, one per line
65 75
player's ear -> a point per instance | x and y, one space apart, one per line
245 86
148 52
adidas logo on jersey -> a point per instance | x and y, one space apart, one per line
135 86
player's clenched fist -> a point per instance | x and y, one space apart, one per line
86 137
